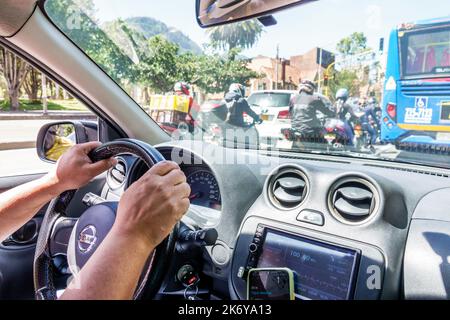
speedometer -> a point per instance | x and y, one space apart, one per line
204 189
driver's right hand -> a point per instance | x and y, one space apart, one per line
150 207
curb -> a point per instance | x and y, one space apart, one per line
5 146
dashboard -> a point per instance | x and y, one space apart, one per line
349 228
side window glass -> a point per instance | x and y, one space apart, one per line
28 100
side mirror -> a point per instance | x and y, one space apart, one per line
54 139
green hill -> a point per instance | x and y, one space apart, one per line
150 27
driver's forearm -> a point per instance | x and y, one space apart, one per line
19 205
113 272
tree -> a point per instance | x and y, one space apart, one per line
75 20
353 44
158 65
32 84
189 67
242 35
344 79
14 70
218 72
353 74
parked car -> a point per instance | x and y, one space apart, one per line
273 108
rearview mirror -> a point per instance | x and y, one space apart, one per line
54 139
216 12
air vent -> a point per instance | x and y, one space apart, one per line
288 189
353 200
118 174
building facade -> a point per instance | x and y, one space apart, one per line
286 74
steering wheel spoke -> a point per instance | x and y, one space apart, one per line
60 236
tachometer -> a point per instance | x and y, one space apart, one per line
205 189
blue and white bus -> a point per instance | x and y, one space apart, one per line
416 100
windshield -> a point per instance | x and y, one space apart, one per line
317 81
268 99
427 52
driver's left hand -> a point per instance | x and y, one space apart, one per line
75 169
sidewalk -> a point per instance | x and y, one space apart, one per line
51 115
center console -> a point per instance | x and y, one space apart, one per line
326 267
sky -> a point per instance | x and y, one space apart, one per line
299 29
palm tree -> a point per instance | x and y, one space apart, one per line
237 35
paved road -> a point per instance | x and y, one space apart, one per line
21 162
20 130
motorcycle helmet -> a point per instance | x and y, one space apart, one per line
182 87
307 86
342 94
372 101
237 88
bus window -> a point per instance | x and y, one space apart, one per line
427 52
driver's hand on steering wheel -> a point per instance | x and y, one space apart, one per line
150 207
75 169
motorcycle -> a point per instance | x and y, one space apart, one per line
212 115
334 134
246 137
331 136
363 140
213 119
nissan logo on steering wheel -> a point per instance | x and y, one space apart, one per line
87 239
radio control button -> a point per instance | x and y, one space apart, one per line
312 217
241 272
253 247
252 262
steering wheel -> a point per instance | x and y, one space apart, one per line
88 231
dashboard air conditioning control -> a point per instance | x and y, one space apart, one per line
353 200
288 189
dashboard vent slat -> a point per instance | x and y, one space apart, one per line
355 193
352 209
118 173
285 196
291 183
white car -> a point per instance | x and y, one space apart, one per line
273 108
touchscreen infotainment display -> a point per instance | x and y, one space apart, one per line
323 271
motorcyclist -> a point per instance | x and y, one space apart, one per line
238 106
369 119
183 89
303 109
345 113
